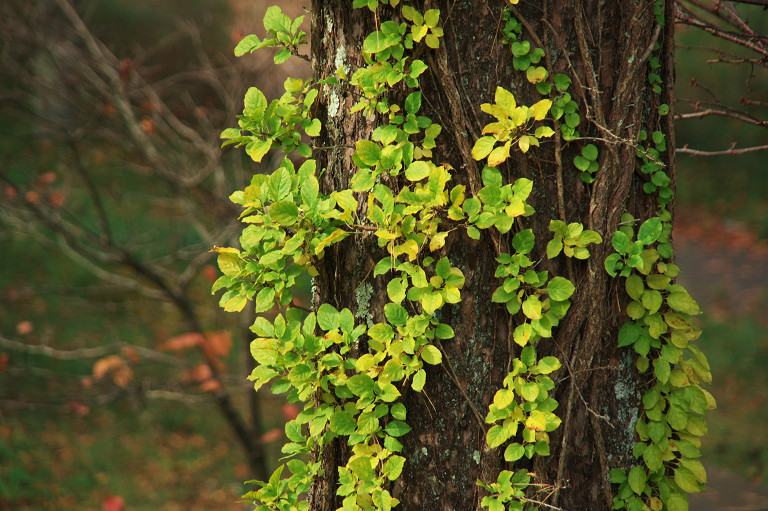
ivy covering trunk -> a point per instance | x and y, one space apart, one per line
485 206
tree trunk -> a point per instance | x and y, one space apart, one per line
604 47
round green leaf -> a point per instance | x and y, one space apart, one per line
560 289
284 212
650 231
328 317
343 423
514 452
496 436
620 242
396 314
431 355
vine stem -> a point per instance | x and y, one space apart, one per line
452 374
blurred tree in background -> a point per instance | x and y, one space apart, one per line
114 188
118 374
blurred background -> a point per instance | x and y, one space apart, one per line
122 385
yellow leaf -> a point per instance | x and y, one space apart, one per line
498 155
516 207
523 143
505 99
438 241
541 108
520 115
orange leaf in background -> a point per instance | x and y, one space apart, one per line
56 199
217 344
236 35
210 273
148 126
149 106
24 327
32 197
210 385
10 192
126 66
198 373
183 341
113 503
130 353
203 375
79 408
47 178
106 364
271 436
290 411
116 366
3 361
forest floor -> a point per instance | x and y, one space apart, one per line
725 267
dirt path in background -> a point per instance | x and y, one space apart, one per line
725 268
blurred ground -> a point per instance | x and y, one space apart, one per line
725 267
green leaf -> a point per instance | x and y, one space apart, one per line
483 147
396 290
431 355
618 476
554 247
496 436
677 502
282 56
522 334
652 456
560 289
369 152
257 149
590 152
396 314
637 479
418 380
328 317
413 102
313 129
431 301
279 184
397 428
432 17
418 170
265 299
398 411
628 334
360 385
581 163
229 263
686 480
284 212
681 301
343 423
443 331
548 364
620 242
650 231
246 45
393 467
634 286
524 241
514 452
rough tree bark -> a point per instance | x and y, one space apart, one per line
604 47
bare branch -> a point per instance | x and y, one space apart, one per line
728 152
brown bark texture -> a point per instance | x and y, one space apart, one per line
604 47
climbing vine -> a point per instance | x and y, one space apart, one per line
348 376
